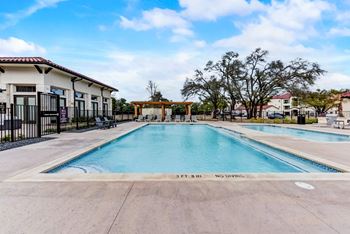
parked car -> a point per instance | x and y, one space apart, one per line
276 116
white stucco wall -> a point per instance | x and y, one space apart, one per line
28 75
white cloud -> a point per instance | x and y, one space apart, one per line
334 80
344 32
282 29
14 46
211 10
130 71
157 19
13 18
199 43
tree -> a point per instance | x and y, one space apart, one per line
254 80
321 100
206 85
152 88
155 94
121 105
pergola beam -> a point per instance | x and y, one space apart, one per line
161 104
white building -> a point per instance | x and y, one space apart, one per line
22 77
345 104
287 104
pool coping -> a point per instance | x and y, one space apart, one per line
37 174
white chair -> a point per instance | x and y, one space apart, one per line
167 118
187 118
194 118
149 118
158 118
177 118
140 118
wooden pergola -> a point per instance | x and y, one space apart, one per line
138 105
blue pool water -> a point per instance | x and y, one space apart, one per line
186 149
304 134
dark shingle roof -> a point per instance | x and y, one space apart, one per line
40 60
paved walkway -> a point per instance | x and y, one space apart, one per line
160 207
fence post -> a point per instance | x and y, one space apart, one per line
38 115
58 119
12 124
76 118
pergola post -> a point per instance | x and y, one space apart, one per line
189 110
135 110
186 109
141 109
163 112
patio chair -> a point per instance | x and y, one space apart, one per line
112 123
177 118
149 118
101 124
167 118
194 118
140 118
158 118
187 118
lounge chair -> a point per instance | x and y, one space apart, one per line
177 118
149 118
167 118
140 118
158 118
194 118
101 124
187 118
112 123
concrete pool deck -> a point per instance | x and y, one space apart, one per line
168 207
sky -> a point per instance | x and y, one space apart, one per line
126 43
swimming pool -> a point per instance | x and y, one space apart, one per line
299 133
186 149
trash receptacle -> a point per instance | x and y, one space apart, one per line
301 119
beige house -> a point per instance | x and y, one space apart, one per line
22 77
345 104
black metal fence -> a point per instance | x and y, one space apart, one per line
21 122
18 122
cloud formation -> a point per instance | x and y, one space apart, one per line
13 18
17 47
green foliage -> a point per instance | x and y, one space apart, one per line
321 100
6 138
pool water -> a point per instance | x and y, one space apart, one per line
186 149
299 133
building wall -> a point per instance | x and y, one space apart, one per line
346 107
28 75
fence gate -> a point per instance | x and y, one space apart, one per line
48 121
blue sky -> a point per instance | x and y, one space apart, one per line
125 43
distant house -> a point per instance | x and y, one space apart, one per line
345 104
22 77
266 110
287 104
284 103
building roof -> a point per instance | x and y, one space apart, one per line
285 96
345 95
40 60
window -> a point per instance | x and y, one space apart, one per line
105 109
80 108
94 98
79 95
26 89
105 99
286 101
57 91
62 102
95 109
